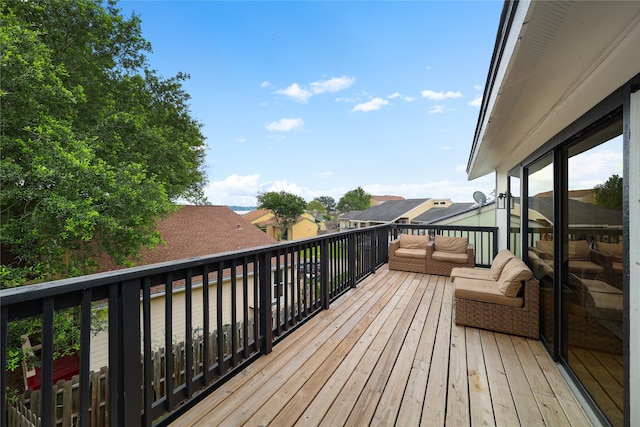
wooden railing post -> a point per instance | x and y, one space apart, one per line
266 327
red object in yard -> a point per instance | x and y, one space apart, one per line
64 368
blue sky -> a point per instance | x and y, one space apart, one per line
318 98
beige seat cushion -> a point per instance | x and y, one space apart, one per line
450 257
472 273
409 241
600 286
585 268
411 253
512 276
501 259
483 291
457 245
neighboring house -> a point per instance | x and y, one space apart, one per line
456 213
189 232
376 200
199 230
307 225
391 211
560 111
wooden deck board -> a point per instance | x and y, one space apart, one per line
388 353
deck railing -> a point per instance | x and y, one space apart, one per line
252 299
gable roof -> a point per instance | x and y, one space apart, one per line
388 211
199 230
438 214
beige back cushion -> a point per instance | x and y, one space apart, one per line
512 276
545 248
579 250
409 241
613 249
501 259
456 245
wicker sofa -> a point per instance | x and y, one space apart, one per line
421 255
504 298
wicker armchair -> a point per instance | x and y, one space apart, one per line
445 253
509 304
522 321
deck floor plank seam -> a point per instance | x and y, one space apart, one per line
434 409
410 411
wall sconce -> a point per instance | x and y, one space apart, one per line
502 200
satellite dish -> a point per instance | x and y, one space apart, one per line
480 198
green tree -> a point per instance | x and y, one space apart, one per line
316 207
354 200
328 202
95 146
286 208
609 194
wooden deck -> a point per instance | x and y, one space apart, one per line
388 353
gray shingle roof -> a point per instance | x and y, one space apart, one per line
387 211
438 214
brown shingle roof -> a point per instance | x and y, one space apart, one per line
250 216
201 230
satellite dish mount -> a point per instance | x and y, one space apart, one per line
480 199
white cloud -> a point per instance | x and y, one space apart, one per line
446 148
241 140
477 87
296 92
265 84
289 187
439 96
477 101
334 84
301 94
436 109
325 174
398 95
285 125
461 168
372 105
234 190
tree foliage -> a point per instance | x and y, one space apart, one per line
316 207
285 207
609 194
354 200
96 146
328 202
